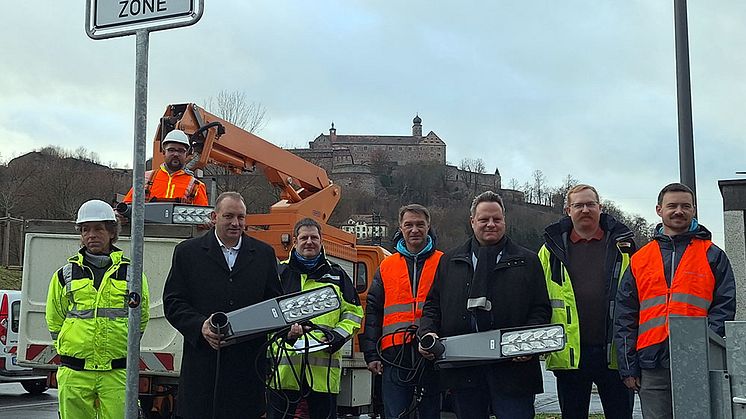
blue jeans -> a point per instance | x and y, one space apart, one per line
398 396
574 387
478 402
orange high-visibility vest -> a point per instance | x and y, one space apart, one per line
690 294
402 309
180 186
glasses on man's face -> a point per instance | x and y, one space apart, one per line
581 205
176 150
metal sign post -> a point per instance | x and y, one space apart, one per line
113 18
684 98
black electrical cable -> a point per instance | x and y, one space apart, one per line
217 380
277 347
411 373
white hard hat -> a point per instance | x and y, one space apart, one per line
176 136
95 210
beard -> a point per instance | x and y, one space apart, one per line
174 165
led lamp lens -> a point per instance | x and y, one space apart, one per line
533 341
309 304
191 214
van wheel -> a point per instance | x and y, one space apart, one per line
35 387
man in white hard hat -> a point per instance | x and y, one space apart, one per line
86 312
172 181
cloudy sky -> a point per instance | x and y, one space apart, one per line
580 87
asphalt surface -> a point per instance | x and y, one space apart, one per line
15 403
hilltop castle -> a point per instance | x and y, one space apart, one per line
348 158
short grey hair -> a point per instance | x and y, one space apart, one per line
415 208
487 196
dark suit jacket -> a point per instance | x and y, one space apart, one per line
198 285
518 293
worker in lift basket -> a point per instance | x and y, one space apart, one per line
172 181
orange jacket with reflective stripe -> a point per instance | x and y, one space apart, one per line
180 186
401 308
690 294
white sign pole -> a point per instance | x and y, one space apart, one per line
138 223
109 19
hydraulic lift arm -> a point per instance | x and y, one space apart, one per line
305 188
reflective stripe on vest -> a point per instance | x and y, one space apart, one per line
148 184
401 309
690 293
72 271
190 191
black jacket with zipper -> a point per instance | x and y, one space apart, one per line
518 293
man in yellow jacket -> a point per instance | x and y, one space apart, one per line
308 374
87 313
584 257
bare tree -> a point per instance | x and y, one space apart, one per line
234 107
559 194
540 187
14 181
479 166
514 184
466 164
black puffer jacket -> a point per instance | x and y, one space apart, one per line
626 321
375 301
518 293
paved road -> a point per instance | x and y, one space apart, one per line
15 403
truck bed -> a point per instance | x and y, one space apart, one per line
48 244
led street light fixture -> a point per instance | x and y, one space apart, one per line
532 341
190 214
169 213
309 304
495 345
275 314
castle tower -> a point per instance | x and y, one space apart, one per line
332 133
417 127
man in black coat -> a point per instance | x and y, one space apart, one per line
488 283
224 270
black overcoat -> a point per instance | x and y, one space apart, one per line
198 285
518 293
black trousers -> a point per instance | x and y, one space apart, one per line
574 387
284 405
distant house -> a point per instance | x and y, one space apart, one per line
367 227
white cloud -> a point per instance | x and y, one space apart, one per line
579 87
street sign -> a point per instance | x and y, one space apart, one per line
112 18
108 19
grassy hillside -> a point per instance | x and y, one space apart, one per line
10 279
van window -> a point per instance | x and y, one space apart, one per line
15 315
361 277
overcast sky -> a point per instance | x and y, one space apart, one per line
580 87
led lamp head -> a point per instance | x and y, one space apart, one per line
275 313
188 214
309 304
530 341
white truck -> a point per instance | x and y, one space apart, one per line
49 243
10 371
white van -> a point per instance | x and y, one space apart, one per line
10 315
